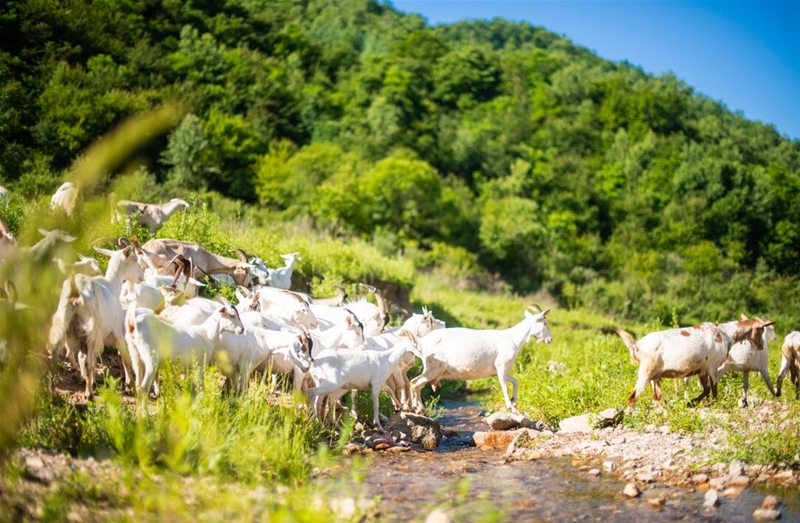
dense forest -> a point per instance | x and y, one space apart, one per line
497 150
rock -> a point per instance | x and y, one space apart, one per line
450 433
350 449
711 499
738 481
736 468
379 443
496 438
581 423
508 421
397 450
593 472
420 429
657 502
699 479
771 502
766 514
438 516
786 475
630 490
607 418
647 477
718 483
608 466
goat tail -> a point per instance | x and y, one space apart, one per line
630 343
130 320
64 313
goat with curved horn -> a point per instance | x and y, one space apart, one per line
382 307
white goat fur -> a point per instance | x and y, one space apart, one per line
151 215
89 314
152 340
238 356
65 198
282 277
744 357
689 351
336 371
468 354
790 362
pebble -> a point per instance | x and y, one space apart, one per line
736 468
699 479
631 490
711 499
438 516
608 466
656 502
738 481
766 514
718 483
593 472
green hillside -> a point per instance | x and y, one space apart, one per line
498 150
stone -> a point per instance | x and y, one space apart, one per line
631 490
607 418
718 483
397 450
766 514
593 472
711 499
738 481
351 448
379 443
736 468
438 516
420 429
508 421
608 466
771 502
496 439
647 477
581 423
657 502
699 479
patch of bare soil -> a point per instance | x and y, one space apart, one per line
659 455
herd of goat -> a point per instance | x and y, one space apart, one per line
147 306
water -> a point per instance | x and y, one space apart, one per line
476 485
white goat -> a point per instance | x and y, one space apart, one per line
89 314
745 357
8 244
238 356
690 351
65 198
373 317
336 371
419 325
282 276
468 354
286 307
84 265
790 362
151 215
152 340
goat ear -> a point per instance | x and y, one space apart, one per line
744 317
545 312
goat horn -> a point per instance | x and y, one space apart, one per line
105 239
382 307
535 308
242 255
246 291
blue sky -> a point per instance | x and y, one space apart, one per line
743 53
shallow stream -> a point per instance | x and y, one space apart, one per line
476 485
